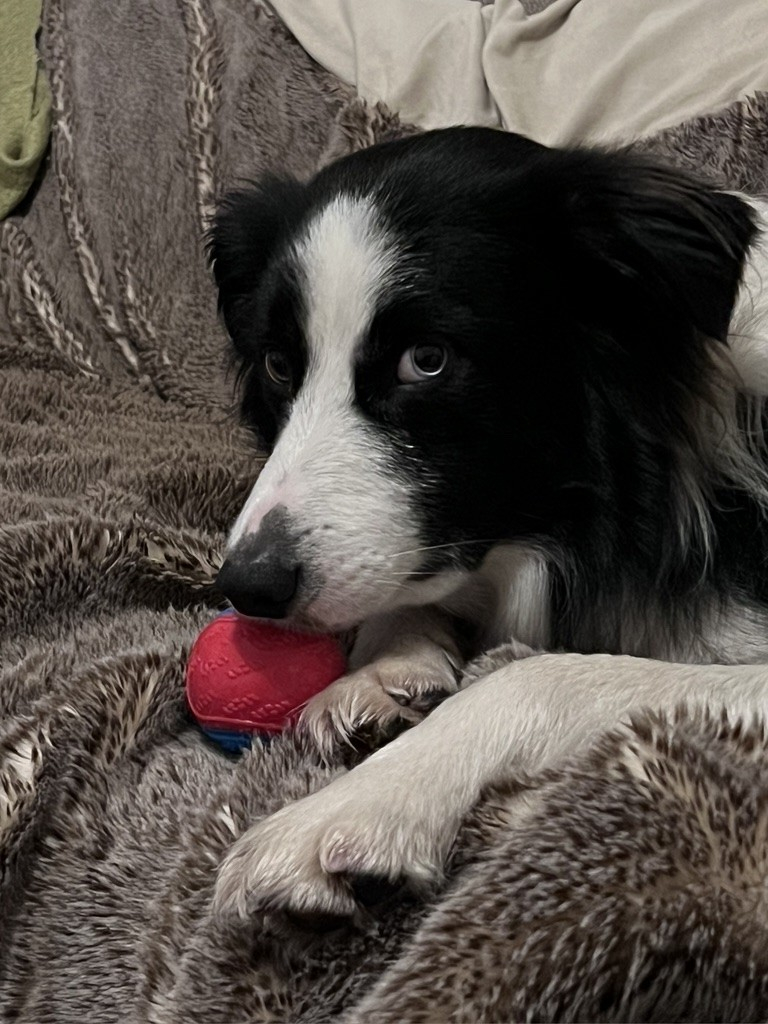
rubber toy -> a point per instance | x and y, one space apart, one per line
249 677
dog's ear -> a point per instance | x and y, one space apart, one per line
246 229
666 244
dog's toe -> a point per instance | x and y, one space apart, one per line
376 701
323 856
355 705
273 867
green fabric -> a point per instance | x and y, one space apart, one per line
25 101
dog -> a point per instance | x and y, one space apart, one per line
514 399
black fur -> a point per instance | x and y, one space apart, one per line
581 294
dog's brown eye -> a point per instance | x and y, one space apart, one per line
278 368
421 362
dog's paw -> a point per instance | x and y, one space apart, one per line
379 698
308 858
277 866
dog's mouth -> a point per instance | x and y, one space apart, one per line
333 613
286 576
325 612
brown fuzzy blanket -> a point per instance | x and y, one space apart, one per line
122 466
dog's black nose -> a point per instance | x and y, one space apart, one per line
260 575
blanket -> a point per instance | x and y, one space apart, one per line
122 467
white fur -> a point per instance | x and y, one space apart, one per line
747 335
728 449
508 596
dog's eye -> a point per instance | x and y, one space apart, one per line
421 362
278 368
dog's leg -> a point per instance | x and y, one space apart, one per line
397 814
402 664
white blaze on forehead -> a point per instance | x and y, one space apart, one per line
346 259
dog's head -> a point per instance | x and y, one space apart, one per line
441 341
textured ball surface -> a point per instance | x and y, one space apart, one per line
247 677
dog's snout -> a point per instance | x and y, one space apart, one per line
260 576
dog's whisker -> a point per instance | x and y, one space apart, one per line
450 544
416 572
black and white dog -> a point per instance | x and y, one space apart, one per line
513 396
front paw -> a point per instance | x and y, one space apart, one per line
306 859
278 866
379 699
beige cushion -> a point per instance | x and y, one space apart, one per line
599 70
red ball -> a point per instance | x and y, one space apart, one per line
246 676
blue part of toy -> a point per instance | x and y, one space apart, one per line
234 742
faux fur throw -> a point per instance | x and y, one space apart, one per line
615 898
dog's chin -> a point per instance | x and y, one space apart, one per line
329 613
308 622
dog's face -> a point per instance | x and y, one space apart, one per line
436 339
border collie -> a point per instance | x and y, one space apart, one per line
514 400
